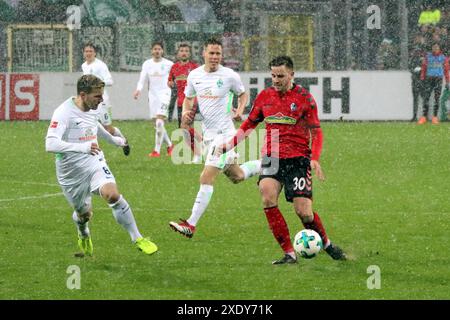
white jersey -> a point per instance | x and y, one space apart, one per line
214 91
77 129
99 69
157 74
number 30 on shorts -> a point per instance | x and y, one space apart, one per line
299 183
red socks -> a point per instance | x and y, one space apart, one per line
317 226
279 228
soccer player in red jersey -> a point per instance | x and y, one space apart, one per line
290 114
178 76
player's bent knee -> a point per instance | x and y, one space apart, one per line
110 193
159 124
111 197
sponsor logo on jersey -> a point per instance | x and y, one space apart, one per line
181 77
88 136
280 119
208 95
54 124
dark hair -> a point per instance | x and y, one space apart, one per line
90 44
184 45
212 41
282 61
88 83
158 43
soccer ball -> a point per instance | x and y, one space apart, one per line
307 243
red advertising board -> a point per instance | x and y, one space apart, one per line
2 96
24 97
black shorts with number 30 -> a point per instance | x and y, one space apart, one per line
294 174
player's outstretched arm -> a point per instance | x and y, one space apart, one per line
105 135
56 145
316 150
54 142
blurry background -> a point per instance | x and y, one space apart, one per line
319 35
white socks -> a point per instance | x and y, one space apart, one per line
201 203
251 168
83 229
123 215
166 138
161 135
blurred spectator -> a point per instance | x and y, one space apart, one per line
416 56
430 15
444 41
434 68
445 19
387 56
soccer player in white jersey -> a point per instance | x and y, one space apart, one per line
156 72
81 168
93 65
214 85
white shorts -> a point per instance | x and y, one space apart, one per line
79 195
104 113
222 161
159 104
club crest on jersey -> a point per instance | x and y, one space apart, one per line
219 83
293 107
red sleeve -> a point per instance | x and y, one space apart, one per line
446 71
312 116
423 72
316 144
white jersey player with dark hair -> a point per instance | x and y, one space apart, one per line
81 168
214 86
156 72
98 68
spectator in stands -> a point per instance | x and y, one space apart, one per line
445 19
434 67
416 56
430 15
444 41
387 56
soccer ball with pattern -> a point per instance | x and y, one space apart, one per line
307 243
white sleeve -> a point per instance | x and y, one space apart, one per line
142 77
105 135
189 90
106 75
237 86
54 142
55 145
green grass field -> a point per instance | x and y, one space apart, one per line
386 201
